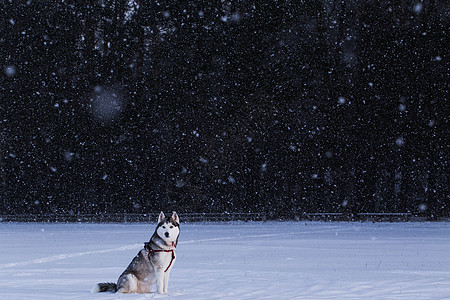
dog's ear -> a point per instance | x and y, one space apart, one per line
161 217
175 217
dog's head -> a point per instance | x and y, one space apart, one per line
168 228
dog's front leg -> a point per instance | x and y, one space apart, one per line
166 281
160 280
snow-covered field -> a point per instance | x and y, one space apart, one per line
271 260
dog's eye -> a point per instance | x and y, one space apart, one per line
164 227
171 226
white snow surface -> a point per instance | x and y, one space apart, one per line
255 260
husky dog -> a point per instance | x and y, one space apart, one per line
152 264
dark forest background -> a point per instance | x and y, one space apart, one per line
280 107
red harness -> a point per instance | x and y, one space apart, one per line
150 251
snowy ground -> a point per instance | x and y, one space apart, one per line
272 260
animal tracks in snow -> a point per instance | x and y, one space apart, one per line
65 256
123 248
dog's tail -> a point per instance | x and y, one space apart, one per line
104 287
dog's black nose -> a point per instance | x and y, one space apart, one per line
167 234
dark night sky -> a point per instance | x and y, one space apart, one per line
281 107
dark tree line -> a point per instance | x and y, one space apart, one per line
280 107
